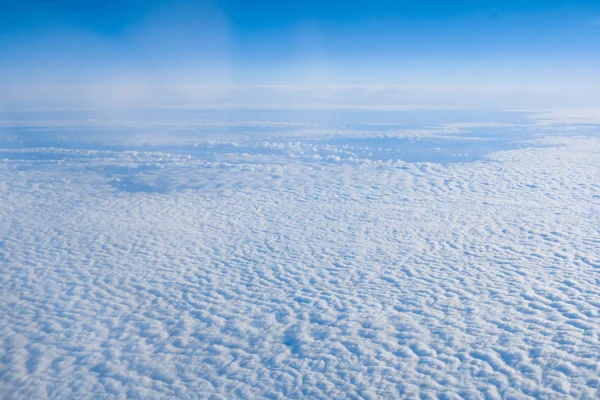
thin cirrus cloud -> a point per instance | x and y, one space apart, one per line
126 95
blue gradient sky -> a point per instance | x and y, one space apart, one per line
232 53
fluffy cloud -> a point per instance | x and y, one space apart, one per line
249 276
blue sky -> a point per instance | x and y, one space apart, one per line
69 54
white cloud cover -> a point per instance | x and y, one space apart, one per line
567 117
301 279
129 93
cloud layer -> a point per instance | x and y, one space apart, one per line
132 93
301 279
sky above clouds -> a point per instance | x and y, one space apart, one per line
128 54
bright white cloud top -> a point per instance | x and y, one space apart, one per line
291 268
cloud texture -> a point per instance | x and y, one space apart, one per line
304 279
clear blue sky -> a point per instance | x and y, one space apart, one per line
171 53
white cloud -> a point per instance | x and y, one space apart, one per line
300 278
129 94
567 116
